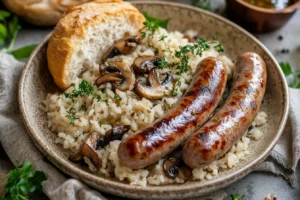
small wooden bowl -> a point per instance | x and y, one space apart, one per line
259 19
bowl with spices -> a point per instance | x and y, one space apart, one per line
261 15
163 101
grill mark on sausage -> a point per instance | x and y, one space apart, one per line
192 110
229 123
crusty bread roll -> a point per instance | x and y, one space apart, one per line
41 12
84 33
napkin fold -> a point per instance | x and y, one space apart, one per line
19 147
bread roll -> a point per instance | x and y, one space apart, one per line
84 33
41 12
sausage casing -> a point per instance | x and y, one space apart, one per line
227 126
156 140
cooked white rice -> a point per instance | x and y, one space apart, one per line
126 108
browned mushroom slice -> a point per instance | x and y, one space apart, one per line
155 89
125 45
174 167
110 77
115 133
89 148
144 64
122 78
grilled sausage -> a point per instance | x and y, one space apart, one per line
161 137
227 126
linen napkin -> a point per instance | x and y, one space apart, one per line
19 147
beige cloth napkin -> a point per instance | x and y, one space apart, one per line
19 147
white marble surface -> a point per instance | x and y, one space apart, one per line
255 186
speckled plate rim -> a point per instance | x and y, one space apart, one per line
154 192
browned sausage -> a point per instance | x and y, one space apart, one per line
161 137
227 126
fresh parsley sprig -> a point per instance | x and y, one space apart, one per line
183 54
84 88
287 70
23 182
9 29
176 86
151 25
237 197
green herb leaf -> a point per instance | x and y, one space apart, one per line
286 68
160 22
23 52
4 14
84 88
72 118
204 4
237 197
23 181
3 33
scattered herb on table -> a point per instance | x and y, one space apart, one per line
287 70
9 29
23 182
204 4
237 197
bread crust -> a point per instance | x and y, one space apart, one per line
72 27
41 12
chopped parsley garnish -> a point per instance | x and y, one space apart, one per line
23 182
162 63
72 118
176 86
287 70
84 88
99 98
162 38
118 98
237 197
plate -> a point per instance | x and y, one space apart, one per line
36 82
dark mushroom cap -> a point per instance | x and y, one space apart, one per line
174 167
119 74
144 64
89 148
125 45
155 88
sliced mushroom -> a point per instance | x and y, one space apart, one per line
174 167
125 45
121 76
89 148
144 64
115 133
155 88
95 141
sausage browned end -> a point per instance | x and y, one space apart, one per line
227 126
161 137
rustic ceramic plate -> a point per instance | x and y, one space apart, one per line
36 82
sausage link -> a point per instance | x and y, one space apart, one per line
161 137
227 126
